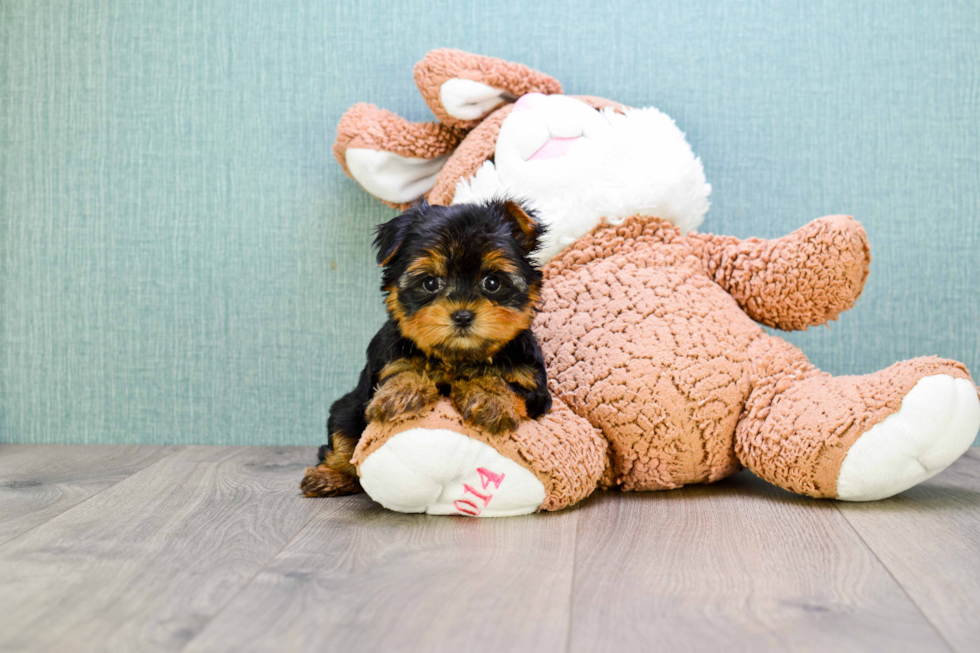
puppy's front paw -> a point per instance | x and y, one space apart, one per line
489 404
404 394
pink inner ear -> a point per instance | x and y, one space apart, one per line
528 101
554 148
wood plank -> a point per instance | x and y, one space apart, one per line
929 539
145 564
38 482
737 566
360 578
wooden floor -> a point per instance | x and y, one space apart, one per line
142 548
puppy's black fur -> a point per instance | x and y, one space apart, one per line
461 289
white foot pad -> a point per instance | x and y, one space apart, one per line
935 425
442 472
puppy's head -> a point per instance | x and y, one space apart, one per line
460 280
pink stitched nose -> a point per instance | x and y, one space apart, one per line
528 101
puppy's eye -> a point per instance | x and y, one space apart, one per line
491 284
430 284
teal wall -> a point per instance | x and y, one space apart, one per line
181 259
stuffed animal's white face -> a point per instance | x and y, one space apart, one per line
578 166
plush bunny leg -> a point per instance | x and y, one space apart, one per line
856 438
440 465
462 88
802 279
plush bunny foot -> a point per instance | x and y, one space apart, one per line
856 438
440 464
441 472
936 424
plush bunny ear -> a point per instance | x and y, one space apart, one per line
395 160
462 88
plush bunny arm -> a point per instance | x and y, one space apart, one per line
803 279
392 158
462 88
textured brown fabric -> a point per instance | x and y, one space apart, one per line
800 422
800 280
561 449
642 339
444 64
639 341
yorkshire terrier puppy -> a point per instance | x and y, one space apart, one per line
461 288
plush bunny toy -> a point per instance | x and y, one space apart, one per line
659 369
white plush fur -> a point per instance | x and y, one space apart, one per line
935 425
437 471
621 165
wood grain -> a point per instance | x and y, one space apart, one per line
738 566
145 564
360 578
40 482
213 549
929 539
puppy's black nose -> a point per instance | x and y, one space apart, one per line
463 318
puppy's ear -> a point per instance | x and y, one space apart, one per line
390 235
525 226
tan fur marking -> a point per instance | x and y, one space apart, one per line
336 476
433 262
430 326
497 261
415 365
523 376
527 224
487 402
405 393
497 324
394 306
534 296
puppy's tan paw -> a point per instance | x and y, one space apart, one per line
489 405
386 407
403 394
